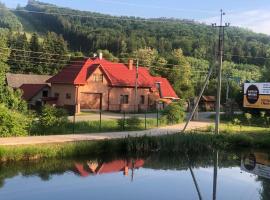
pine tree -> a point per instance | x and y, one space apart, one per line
55 53
35 55
19 56
8 97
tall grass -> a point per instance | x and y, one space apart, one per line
192 143
94 127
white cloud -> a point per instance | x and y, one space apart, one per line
257 20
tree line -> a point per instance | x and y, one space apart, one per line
88 31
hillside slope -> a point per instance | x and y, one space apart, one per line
88 31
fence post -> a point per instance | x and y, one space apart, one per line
145 119
100 115
157 117
74 121
100 110
124 121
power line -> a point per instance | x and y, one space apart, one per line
80 63
63 55
137 19
36 52
254 57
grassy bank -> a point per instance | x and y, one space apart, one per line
228 128
190 142
94 127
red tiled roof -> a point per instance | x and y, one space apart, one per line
117 74
166 89
70 73
30 90
81 170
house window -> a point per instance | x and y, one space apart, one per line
98 78
68 96
124 99
142 99
45 93
56 95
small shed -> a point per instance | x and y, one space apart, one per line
207 103
34 94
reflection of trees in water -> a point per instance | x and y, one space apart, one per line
42 168
46 168
265 190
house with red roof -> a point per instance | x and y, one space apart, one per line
96 83
34 87
33 94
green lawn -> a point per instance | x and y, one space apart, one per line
236 129
94 127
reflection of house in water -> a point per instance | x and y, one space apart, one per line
256 163
93 168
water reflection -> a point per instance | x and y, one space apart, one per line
217 175
256 163
95 168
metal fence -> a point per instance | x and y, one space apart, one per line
128 119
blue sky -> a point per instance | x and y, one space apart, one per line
251 14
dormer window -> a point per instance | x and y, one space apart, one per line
98 78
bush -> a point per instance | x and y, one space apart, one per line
129 123
121 123
13 123
248 117
51 116
174 113
133 122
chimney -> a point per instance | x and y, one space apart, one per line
130 64
94 55
100 55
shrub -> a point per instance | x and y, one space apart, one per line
133 122
51 116
13 123
129 123
248 117
174 113
121 123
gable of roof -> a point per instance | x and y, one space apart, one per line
209 98
166 90
118 74
31 90
17 80
71 74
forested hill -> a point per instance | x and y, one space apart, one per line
88 31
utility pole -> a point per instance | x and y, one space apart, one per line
136 86
215 176
220 54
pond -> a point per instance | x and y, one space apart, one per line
217 175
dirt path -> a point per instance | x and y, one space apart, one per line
99 136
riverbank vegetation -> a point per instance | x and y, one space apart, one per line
51 121
193 142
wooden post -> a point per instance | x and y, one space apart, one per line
100 110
